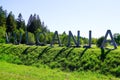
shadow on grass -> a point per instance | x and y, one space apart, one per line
69 52
26 50
62 50
81 54
6 49
44 51
104 54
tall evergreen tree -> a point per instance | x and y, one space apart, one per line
34 23
44 27
31 26
20 22
10 23
2 17
38 22
29 20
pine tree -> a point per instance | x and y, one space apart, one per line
44 27
29 20
34 23
2 17
20 22
10 23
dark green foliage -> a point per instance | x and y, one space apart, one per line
36 26
34 23
2 25
2 35
20 22
44 27
99 41
10 23
117 38
2 17
66 59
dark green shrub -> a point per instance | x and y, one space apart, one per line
2 35
99 41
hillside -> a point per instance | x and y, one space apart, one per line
66 59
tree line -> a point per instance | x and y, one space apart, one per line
9 25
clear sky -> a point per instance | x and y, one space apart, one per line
65 15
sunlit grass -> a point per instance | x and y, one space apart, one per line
20 72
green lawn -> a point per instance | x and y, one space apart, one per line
10 71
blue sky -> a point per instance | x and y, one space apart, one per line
65 15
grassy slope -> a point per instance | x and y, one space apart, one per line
20 72
66 59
